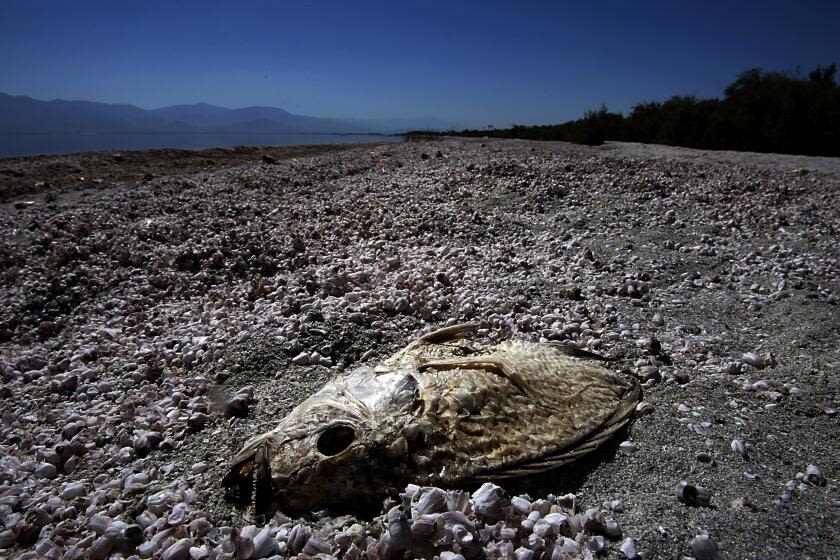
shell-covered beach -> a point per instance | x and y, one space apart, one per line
151 323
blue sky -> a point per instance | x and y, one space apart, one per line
474 63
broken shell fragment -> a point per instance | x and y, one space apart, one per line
738 447
814 476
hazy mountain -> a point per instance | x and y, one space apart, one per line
250 119
21 114
197 114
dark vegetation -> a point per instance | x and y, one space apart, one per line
760 112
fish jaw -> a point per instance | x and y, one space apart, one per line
341 469
341 446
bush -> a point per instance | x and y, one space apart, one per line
760 111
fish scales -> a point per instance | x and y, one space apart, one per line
443 411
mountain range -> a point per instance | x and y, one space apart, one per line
20 114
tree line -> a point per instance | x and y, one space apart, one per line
760 111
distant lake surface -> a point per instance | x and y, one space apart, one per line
60 143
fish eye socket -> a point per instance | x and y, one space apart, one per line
335 440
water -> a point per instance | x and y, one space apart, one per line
59 143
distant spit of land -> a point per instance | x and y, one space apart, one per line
53 173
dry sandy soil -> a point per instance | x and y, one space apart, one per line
132 306
77 171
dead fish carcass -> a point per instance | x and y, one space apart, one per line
443 411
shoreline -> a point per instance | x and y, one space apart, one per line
32 175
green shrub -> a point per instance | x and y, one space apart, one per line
760 111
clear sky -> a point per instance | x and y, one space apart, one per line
471 62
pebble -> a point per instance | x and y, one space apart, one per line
238 405
179 550
298 537
754 360
598 545
644 408
521 553
98 523
649 373
628 447
71 429
570 548
45 470
101 548
489 501
315 546
612 530
72 490
399 530
628 549
703 457
705 548
733 368
593 521
7 539
692 495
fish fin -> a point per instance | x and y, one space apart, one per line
248 452
575 352
582 447
489 363
263 494
438 336
238 481
448 333
249 478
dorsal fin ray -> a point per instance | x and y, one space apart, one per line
489 363
438 336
